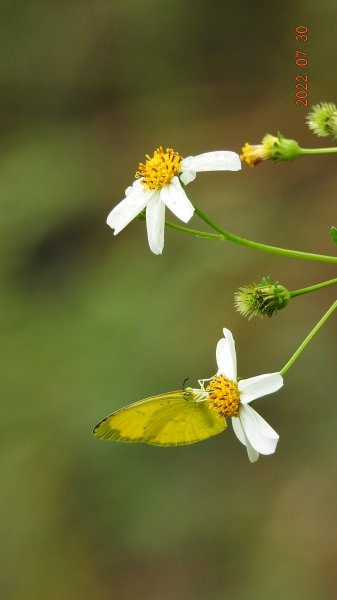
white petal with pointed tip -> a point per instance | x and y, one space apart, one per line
155 224
221 160
226 356
176 200
258 432
253 455
128 209
261 385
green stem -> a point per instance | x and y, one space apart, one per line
313 288
264 247
196 232
318 151
309 338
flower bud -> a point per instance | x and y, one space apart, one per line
260 299
276 148
322 119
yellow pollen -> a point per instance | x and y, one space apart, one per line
159 169
258 152
252 154
224 396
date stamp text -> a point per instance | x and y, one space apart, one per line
302 62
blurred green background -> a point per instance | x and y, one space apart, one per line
91 322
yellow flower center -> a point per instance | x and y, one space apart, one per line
224 396
255 154
159 169
252 154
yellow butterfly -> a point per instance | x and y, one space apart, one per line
171 419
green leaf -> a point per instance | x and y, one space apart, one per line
333 233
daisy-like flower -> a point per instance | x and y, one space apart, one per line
159 183
231 397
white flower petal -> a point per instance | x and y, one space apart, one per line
253 455
221 160
176 200
137 185
258 386
226 356
238 430
155 223
257 431
187 176
128 209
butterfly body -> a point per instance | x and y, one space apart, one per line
172 419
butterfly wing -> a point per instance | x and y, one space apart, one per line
185 423
170 419
127 424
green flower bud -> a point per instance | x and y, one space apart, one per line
260 299
285 149
322 119
271 147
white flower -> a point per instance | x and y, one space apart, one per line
231 398
158 184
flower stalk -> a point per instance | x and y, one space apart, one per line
313 288
264 247
309 338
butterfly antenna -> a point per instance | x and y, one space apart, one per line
185 380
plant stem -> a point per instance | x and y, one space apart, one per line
309 338
264 247
196 232
313 288
318 151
